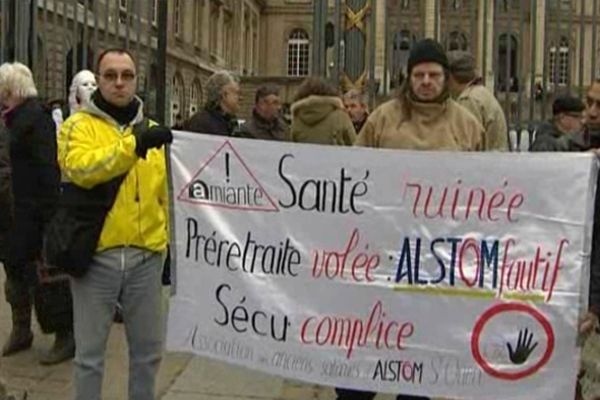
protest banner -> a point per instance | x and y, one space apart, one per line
460 275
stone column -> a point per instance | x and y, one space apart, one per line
220 33
380 55
206 26
256 43
250 45
431 20
540 28
485 31
241 53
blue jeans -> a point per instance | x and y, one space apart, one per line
133 278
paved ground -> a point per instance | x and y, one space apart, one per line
181 377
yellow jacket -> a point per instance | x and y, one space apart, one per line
93 148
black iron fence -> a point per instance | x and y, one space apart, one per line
528 51
57 38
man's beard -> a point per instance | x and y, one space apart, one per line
443 96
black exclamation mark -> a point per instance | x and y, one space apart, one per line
227 167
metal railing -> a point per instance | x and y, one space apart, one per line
57 38
528 51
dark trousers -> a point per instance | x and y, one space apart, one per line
347 394
49 294
29 281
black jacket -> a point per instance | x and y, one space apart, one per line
35 180
35 171
259 128
6 195
212 121
549 138
581 142
359 124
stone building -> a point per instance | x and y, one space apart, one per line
527 50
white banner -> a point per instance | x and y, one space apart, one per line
434 273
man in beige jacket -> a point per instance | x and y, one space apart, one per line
421 117
466 87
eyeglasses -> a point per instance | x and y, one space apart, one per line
112 76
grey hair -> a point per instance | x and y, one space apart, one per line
17 79
214 87
355 95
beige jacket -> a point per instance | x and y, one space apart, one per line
482 103
431 126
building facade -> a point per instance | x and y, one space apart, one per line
527 50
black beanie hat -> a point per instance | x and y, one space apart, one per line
565 104
427 50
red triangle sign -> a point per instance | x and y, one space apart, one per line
225 180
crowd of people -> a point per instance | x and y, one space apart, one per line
109 151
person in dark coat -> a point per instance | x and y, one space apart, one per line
266 121
6 195
35 185
588 139
218 117
357 108
566 120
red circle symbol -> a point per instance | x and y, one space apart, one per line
510 307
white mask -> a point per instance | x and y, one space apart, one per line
82 87
86 87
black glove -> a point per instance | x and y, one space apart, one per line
153 137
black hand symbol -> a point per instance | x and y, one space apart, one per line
524 348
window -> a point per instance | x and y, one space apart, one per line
456 4
457 41
177 17
123 11
506 72
402 42
298 53
507 5
195 96
559 63
177 97
154 12
405 4
558 5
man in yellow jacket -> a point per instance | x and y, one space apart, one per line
103 141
